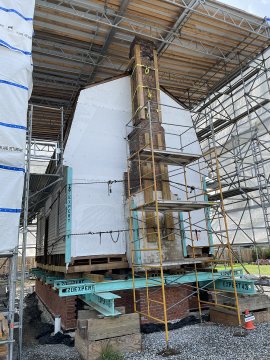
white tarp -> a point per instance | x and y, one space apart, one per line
96 151
16 29
181 122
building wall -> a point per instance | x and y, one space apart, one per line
173 296
57 227
96 151
64 306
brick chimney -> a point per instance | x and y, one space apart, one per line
145 87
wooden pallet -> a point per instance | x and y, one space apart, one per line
3 350
89 263
97 259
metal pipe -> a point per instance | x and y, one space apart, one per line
25 224
11 301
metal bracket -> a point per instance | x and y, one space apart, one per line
102 302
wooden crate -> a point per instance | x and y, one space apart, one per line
232 319
106 328
91 350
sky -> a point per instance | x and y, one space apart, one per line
256 7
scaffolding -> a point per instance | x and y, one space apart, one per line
240 135
33 197
151 170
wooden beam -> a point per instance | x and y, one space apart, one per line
139 80
149 197
166 194
157 85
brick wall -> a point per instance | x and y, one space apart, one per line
173 295
138 136
64 306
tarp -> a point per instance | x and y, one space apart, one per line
16 30
96 152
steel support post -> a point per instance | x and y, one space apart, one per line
11 301
25 223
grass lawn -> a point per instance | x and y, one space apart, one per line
253 269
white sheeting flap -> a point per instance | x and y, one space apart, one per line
96 151
16 30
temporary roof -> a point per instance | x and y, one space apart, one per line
78 42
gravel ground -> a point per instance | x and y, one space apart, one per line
210 341
50 352
213 342
32 350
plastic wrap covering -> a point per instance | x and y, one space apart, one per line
234 147
96 151
177 121
16 29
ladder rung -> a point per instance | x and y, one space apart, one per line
226 306
146 160
148 282
158 302
145 249
151 217
150 172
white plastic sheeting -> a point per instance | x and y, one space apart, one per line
16 29
180 122
245 221
96 151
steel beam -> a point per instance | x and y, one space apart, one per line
176 26
117 285
217 12
243 286
109 39
102 302
136 27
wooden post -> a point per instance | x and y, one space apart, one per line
139 80
166 194
157 85
148 197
